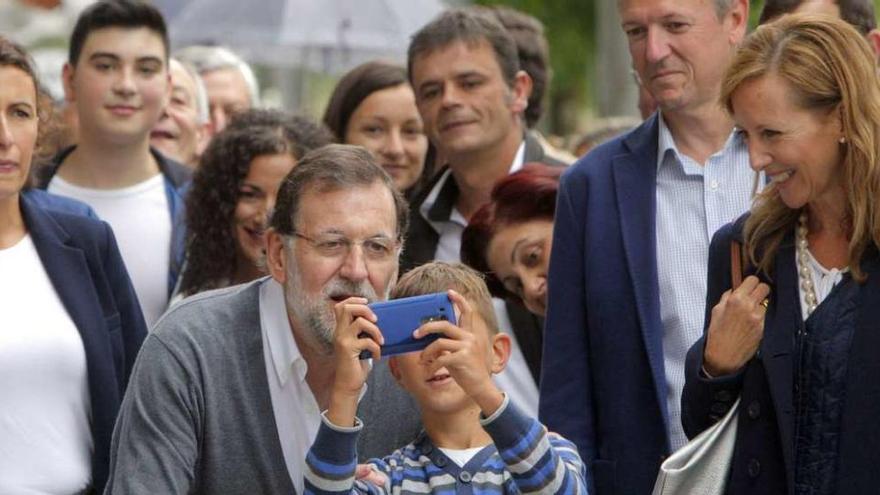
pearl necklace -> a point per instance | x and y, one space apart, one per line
803 261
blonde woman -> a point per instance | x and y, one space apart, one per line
799 340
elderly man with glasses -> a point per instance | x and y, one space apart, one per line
227 392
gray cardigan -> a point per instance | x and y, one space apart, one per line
197 416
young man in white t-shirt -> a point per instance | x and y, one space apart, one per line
117 77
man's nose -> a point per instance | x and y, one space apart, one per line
218 118
656 45
124 83
451 95
354 266
6 138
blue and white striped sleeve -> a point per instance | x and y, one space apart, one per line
332 461
539 462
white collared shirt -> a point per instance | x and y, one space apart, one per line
516 379
449 245
693 201
297 416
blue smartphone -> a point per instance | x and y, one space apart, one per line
399 318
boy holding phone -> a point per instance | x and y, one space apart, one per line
474 437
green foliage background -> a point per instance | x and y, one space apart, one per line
570 26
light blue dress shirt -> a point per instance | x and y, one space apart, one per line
693 201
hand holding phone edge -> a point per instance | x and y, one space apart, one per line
356 331
461 350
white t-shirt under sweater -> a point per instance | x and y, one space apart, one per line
45 439
461 456
141 222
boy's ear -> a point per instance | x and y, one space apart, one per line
500 352
395 369
67 82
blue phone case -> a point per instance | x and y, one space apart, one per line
399 318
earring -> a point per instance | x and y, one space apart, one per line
842 140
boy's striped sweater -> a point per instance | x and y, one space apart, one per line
524 458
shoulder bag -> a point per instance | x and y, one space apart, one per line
702 465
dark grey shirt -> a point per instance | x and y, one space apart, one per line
197 416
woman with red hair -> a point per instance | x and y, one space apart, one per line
509 238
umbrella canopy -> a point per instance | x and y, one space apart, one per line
323 35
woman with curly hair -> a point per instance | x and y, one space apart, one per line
233 192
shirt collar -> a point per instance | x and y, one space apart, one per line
439 204
666 142
286 358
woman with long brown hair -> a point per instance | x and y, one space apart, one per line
799 340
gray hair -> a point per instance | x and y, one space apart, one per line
333 167
206 58
722 7
201 95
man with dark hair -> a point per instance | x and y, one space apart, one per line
471 95
117 76
227 392
858 13
627 278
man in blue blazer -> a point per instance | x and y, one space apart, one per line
630 248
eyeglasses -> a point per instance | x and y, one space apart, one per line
378 249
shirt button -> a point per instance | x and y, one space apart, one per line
440 462
464 477
713 185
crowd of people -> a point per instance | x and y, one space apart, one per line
187 276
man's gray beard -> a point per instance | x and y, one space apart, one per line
313 312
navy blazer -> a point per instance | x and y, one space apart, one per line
85 268
763 461
603 383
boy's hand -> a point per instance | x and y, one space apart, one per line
364 472
465 353
355 332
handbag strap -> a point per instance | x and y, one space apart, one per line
736 273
